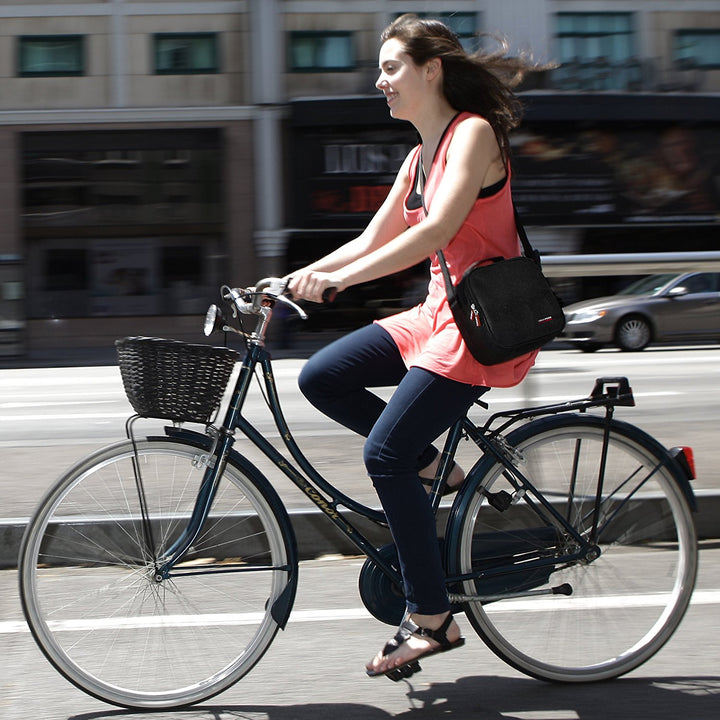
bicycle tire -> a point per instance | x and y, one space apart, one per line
625 604
93 604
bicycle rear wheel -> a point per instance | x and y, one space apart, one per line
625 604
99 613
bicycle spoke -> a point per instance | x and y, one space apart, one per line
630 586
95 603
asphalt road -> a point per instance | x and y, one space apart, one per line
315 669
50 417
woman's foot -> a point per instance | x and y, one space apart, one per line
419 636
454 481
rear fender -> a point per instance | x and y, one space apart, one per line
683 459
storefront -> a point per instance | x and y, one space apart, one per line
120 223
129 230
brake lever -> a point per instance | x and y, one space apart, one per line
232 296
276 287
285 299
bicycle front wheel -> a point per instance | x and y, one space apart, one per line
623 604
100 612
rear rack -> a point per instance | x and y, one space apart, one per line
608 392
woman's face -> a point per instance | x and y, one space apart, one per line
401 80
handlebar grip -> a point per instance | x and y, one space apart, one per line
329 294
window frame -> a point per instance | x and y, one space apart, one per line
311 34
681 33
22 41
559 34
471 41
213 69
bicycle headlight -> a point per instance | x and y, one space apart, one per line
214 320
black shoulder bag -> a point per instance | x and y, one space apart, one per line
504 308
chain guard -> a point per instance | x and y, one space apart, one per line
379 594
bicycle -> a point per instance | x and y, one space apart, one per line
156 572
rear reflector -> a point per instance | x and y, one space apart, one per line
686 459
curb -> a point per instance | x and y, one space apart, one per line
317 537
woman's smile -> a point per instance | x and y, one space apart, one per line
390 96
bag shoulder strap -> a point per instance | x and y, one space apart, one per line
528 250
449 289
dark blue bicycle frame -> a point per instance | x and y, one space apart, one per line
327 497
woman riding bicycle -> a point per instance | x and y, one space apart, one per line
451 193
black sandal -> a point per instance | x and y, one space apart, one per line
406 630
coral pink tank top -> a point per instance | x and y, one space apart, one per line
427 335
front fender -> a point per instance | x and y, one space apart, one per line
283 604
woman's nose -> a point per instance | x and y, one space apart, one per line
381 82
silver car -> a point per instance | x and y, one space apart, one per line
657 308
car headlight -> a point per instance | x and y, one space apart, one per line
586 316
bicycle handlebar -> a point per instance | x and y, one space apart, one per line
252 300
278 286
249 300
257 300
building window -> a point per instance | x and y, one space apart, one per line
590 36
50 55
463 24
596 52
121 179
697 48
186 53
321 52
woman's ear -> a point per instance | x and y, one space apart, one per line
433 68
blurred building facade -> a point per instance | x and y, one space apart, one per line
151 150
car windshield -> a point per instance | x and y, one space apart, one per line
647 285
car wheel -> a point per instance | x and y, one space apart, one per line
633 333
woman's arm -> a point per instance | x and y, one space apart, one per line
473 160
387 223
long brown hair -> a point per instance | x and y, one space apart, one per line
480 82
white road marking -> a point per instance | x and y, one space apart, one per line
700 597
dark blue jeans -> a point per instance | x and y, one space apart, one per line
399 441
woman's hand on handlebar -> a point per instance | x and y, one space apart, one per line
314 285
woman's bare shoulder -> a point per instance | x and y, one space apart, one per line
474 128
474 137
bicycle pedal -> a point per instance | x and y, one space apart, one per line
500 500
404 672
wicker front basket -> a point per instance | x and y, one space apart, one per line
174 380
